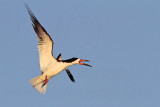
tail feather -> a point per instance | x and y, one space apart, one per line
41 88
38 84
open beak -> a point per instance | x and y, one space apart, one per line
83 60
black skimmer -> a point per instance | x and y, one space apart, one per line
49 65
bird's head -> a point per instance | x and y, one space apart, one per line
73 61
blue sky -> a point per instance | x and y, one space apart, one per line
121 38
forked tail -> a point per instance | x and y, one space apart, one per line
39 84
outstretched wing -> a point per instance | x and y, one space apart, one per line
45 43
59 58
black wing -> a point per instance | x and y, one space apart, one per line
59 58
45 43
70 75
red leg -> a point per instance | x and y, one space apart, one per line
46 80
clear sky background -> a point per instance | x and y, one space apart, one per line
121 38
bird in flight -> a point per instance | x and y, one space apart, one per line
49 65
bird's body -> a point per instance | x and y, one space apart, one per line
55 68
52 69
49 65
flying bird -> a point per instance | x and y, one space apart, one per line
49 65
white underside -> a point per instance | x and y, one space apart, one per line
52 70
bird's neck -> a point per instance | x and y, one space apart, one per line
69 62
66 64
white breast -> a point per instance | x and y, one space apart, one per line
54 69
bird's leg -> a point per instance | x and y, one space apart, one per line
46 80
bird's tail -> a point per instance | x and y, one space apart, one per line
38 84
